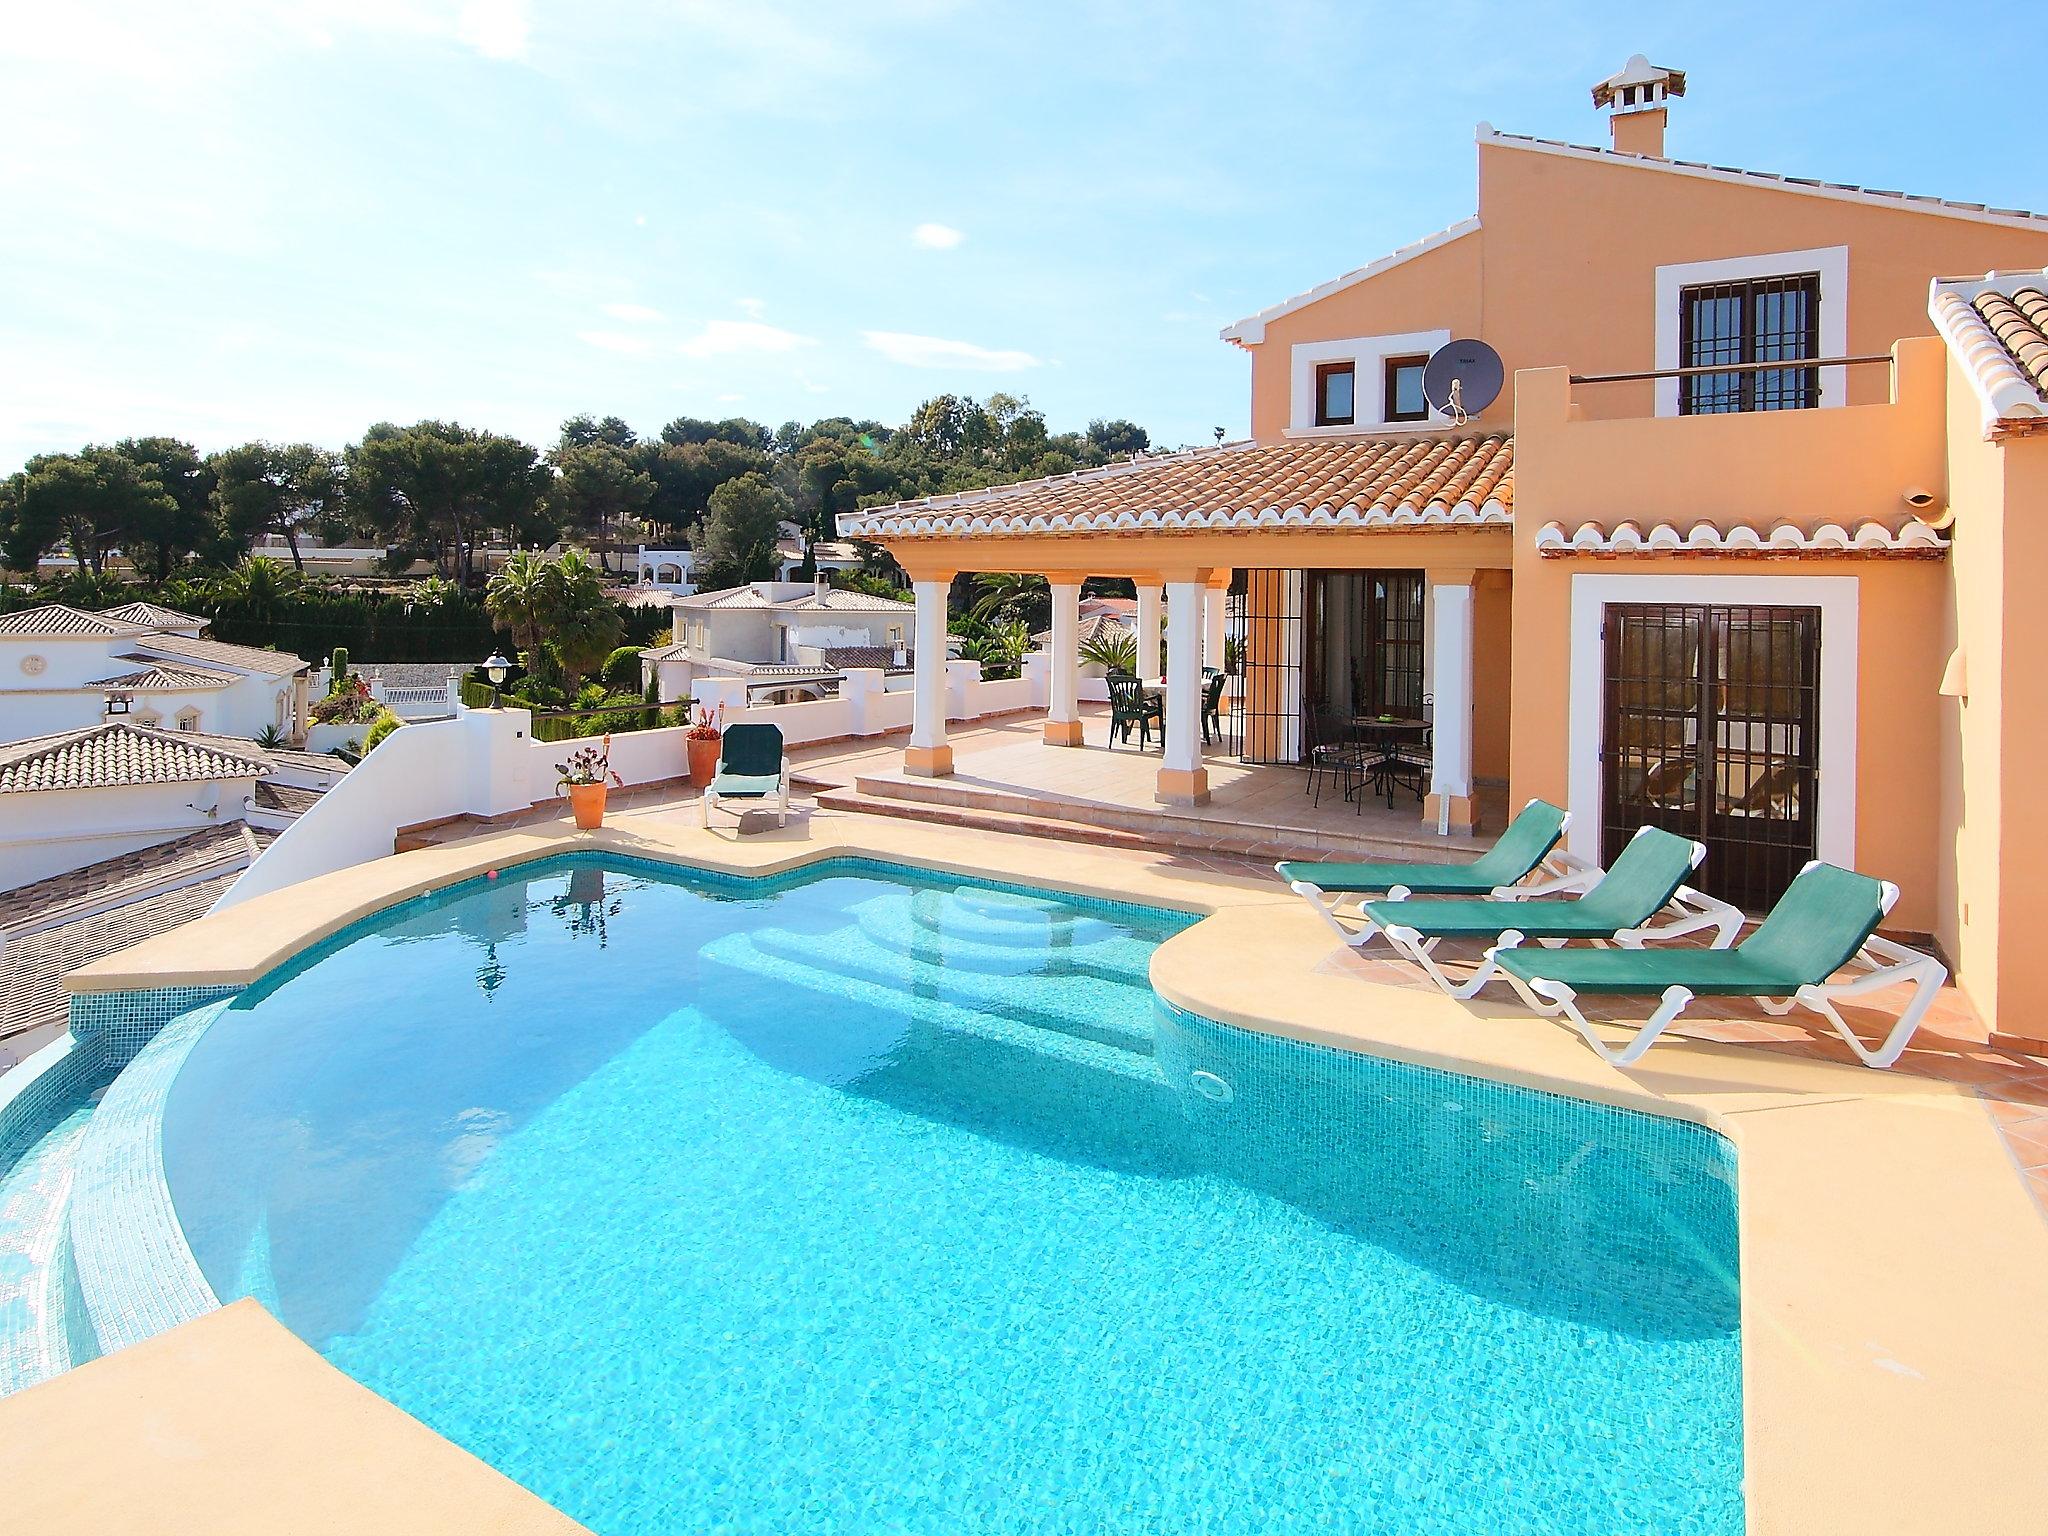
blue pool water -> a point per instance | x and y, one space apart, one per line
861 1202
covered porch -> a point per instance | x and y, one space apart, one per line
1342 589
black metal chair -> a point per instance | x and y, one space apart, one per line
1129 705
1333 749
1212 703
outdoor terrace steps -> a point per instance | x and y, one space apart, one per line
959 801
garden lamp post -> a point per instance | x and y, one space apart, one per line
495 669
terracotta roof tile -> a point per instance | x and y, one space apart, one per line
1906 538
153 676
249 658
1355 482
118 753
55 620
153 616
1996 327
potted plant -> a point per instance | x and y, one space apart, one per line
587 777
701 741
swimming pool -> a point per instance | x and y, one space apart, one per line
860 1200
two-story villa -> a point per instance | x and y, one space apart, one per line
1735 551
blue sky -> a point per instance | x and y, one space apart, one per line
244 220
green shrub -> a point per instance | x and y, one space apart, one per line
621 671
650 717
339 667
384 725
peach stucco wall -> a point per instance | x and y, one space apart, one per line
1992 835
1562 271
1803 467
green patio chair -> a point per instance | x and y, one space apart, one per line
750 767
1529 843
1129 705
1648 878
1824 923
1212 702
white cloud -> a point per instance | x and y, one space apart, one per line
751 308
936 237
940 352
614 341
726 338
497 29
637 314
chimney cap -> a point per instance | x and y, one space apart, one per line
1638 71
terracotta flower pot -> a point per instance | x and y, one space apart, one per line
587 802
703 758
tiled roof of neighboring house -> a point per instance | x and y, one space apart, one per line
318 762
1997 327
32 992
1091 625
1360 482
162 677
248 657
1909 538
62 621
412 674
674 651
154 616
866 656
294 799
226 846
1807 184
117 753
831 599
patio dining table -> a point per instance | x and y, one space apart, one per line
1384 733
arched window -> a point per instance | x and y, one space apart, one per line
150 718
188 719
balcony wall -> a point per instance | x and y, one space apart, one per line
1843 465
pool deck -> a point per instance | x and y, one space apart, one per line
1894 1260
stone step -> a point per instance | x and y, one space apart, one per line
740 952
951 803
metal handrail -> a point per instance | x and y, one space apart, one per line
1786 366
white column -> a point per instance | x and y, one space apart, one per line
928 755
1450 640
1182 779
1063 702
1148 630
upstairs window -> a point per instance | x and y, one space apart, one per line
1336 389
1761 320
1405 400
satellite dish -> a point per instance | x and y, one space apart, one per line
1462 379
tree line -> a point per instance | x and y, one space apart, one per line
440 491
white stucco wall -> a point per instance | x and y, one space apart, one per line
47 832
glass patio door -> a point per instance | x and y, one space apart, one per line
1712 731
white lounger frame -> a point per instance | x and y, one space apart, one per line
1561 873
712 800
1881 962
1692 912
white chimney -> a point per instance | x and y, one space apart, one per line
1635 98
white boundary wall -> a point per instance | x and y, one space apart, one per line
485 763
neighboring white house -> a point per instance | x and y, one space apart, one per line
795 633
62 669
826 555
668 570
80 797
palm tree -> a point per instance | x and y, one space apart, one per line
255 588
1019 594
520 597
583 625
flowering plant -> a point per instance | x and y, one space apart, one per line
593 765
350 704
705 726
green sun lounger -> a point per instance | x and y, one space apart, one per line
1648 877
1530 838
750 767
1825 922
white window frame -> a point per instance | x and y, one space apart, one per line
1830 261
1368 356
1837 598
